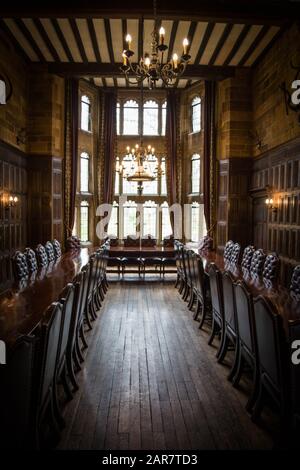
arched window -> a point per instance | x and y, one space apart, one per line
130 118
195 173
129 219
84 221
84 172
163 118
150 219
196 114
118 117
86 124
166 228
113 226
150 118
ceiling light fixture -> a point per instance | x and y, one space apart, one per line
154 67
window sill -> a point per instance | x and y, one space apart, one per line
86 132
194 133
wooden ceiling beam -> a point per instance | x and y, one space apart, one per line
113 70
232 11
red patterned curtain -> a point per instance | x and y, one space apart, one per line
208 152
109 136
71 152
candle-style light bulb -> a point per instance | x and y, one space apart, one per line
15 199
153 150
185 44
147 62
162 34
175 60
128 149
267 201
128 40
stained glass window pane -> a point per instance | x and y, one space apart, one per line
163 118
84 221
196 114
85 114
130 118
166 228
196 173
149 219
84 172
129 220
150 118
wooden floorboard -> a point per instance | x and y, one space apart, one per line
150 381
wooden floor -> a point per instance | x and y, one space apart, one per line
150 381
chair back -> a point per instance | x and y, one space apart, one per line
57 248
16 394
199 276
41 256
257 263
244 315
72 243
271 269
205 244
168 242
229 300
295 284
227 251
31 260
215 282
50 252
235 254
86 271
67 301
49 345
247 257
131 240
270 340
149 241
20 267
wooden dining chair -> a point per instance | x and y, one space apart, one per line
272 361
31 260
227 251
50 337
295 284
246 259
246 347
271 269
61 372
20 266
257 264
41 256
17 379
201 291
229 334
217 302
50 252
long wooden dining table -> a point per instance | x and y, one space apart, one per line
22 306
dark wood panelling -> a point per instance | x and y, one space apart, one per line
280 232
234 209
13 220
45 199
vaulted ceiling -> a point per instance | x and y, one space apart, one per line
91 46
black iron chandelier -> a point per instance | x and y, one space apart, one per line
154 67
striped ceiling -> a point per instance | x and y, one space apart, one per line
101 40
